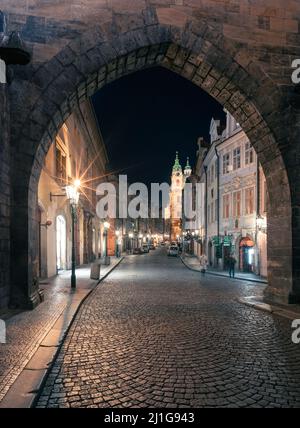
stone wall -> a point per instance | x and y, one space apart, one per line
4 198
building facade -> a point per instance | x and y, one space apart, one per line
234 200
78 152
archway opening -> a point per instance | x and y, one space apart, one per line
228 89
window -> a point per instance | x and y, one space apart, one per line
216 210
212 212
265 196
208 213
226 163
249 154
216 169
61 164
236 158
237 204
249 201
226 206
208 177
212 174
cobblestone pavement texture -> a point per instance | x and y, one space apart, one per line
25 331
156 334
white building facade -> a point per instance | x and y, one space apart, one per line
235 201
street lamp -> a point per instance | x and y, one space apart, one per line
117 242
106 225
130 236
73 197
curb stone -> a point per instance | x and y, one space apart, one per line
260 281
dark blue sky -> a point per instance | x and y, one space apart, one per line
146 116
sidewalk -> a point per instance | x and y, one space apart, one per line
192 262
33 337
291 312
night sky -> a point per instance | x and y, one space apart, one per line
146 116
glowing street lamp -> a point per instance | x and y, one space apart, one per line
117 233
73 197
130 236
106 225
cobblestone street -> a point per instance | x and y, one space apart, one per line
155 334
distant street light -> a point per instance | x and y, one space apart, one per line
117 242
130 236
106 225
73 197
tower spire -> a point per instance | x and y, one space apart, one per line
188 168
177 166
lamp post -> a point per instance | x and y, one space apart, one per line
73 197
259 228
130 236
106 227
117 242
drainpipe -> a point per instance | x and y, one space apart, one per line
257 189
218 196
206 222
257 212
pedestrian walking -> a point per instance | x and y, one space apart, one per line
203 264
232 262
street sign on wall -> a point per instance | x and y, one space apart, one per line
227 241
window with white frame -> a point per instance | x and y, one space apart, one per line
236 158
249 154
226 163
226 206
249 201
265 196
61 163
237 204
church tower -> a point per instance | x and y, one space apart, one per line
177 184
187 169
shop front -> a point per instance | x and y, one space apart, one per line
246 255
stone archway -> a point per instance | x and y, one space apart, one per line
101 56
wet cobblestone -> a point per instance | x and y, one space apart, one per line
156 334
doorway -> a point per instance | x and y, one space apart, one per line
61 242
247 259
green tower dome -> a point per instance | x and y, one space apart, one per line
177 166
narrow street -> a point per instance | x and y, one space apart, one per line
155 334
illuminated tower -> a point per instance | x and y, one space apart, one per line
177 183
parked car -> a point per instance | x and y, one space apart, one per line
173 251
137 251
162 244
145 248
152 247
